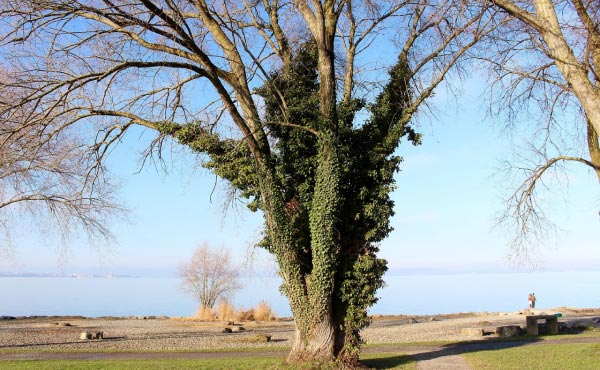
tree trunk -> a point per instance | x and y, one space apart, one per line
322 343
318 317
314 342
573 71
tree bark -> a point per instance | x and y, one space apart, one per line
314 342
594 147
574 72
545 22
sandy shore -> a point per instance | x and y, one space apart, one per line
178 334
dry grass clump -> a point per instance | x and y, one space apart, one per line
256 338
225 311
245 315
263 312
204 314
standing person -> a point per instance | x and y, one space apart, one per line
532 300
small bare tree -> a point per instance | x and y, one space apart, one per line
209 275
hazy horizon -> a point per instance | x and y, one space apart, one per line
403 294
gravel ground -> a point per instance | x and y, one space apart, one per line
135 335
164 334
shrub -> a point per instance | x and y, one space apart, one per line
263 312
226 311
204 314
245 315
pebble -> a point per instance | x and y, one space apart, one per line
136 335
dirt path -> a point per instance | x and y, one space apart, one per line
427 357
454 362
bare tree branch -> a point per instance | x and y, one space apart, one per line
523 209
45 176
543 58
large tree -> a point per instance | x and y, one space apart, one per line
546 59
279 99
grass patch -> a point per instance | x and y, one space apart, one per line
586 333
549 356
378 361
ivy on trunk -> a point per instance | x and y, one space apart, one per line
325 196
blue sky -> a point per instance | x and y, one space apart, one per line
447 199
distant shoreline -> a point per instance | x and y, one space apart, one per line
73 275
444 316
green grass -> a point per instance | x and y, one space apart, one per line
577 356
377 361
587 333
546 356
231 363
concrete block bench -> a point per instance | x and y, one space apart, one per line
551 324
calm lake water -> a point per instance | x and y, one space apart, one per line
409 294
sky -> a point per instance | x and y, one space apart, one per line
448 196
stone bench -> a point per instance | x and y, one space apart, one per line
551 324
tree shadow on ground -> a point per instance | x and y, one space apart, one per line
476 346
388 362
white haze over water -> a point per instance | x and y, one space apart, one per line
406 294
